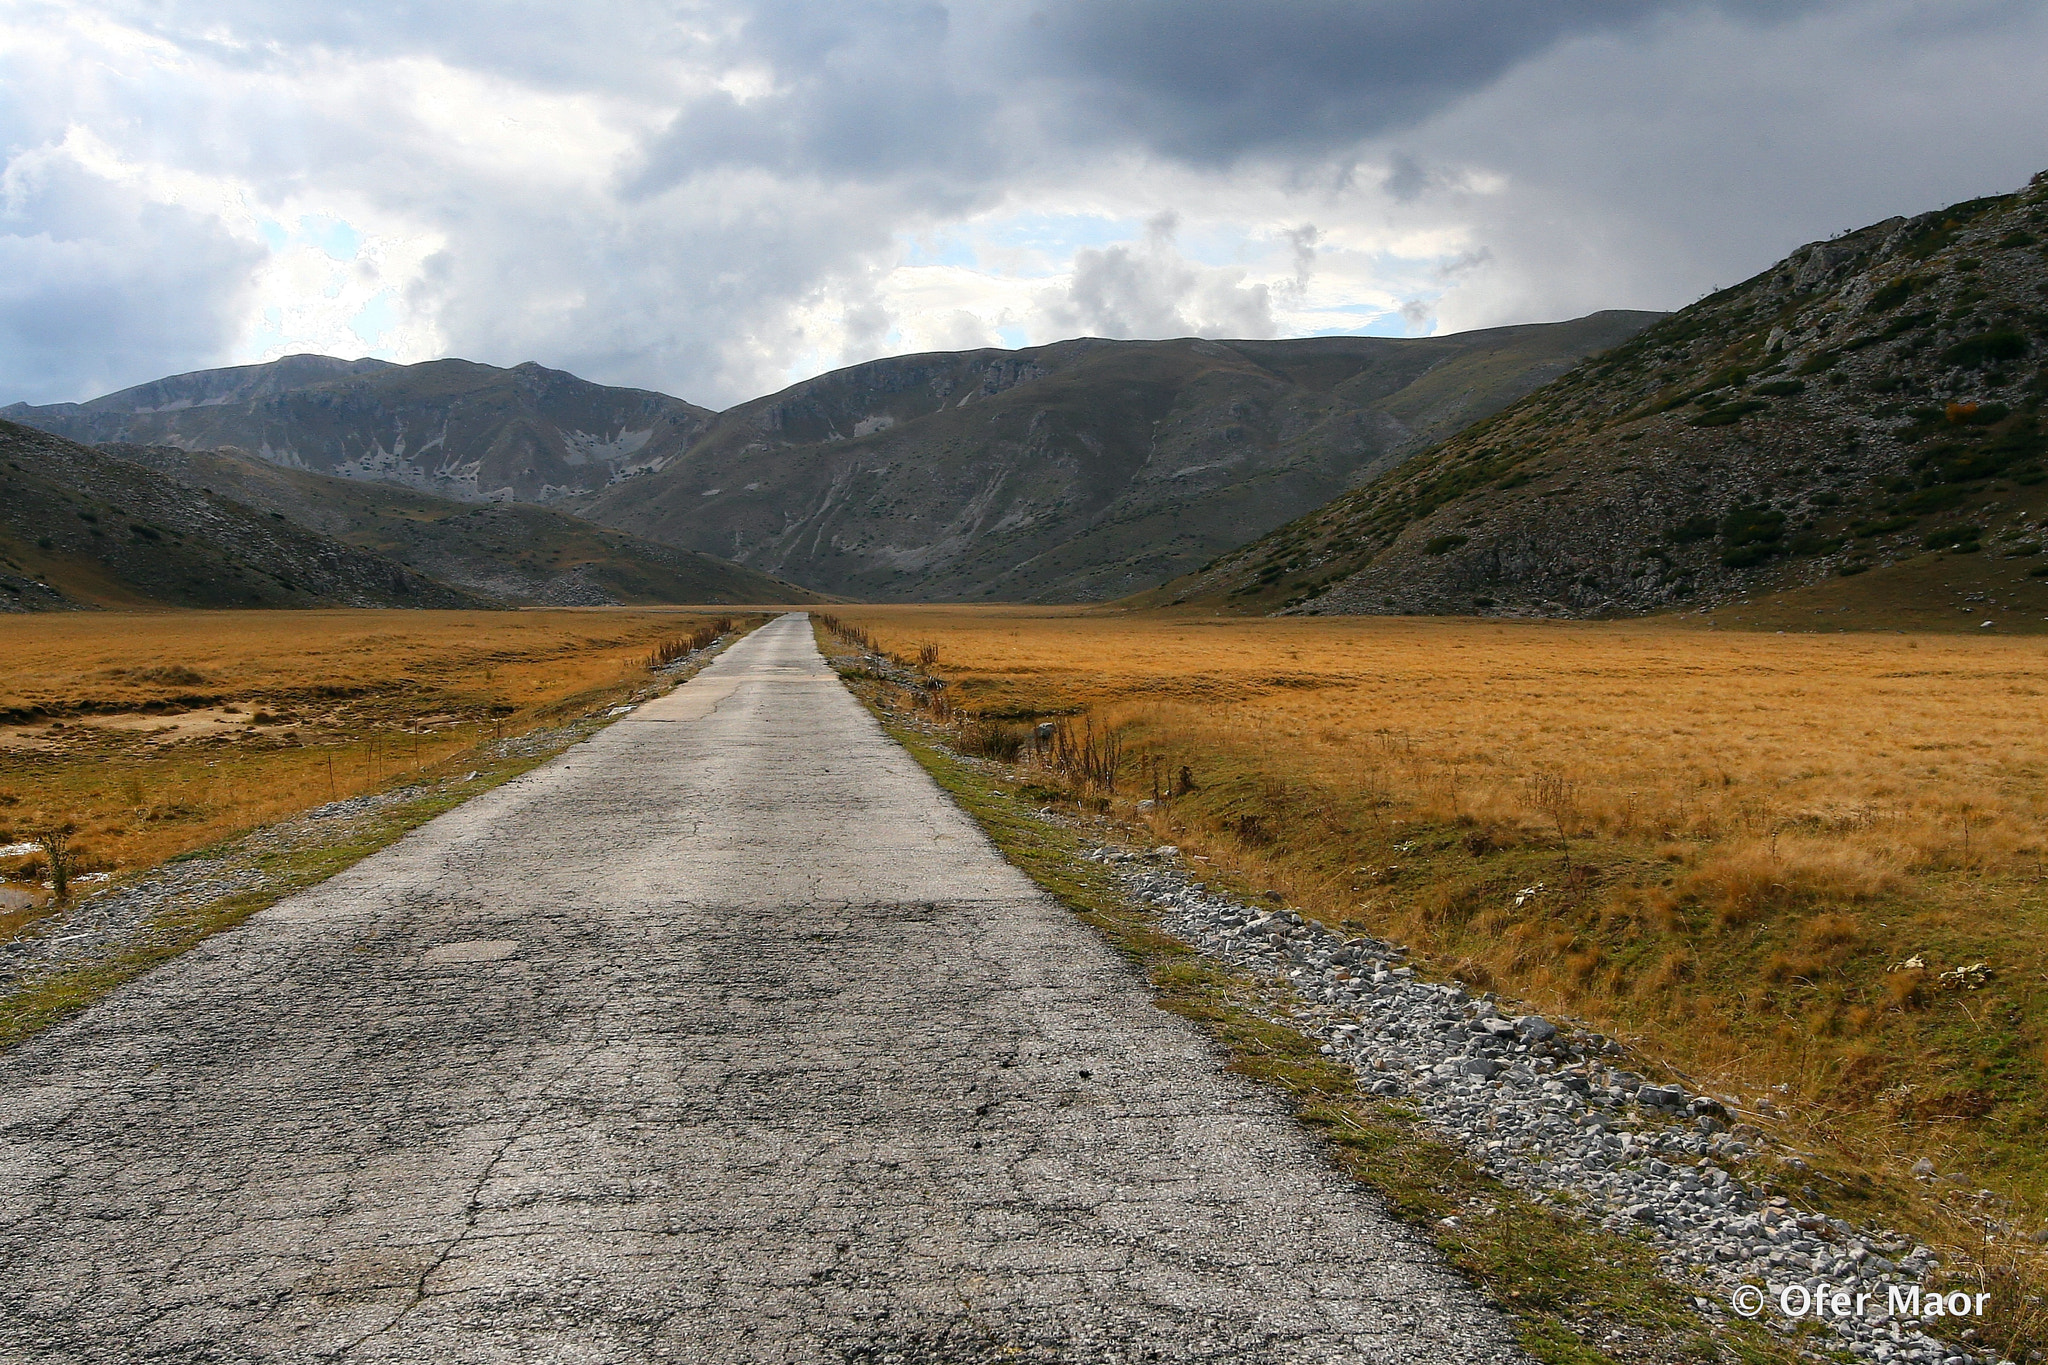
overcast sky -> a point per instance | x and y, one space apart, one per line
713 199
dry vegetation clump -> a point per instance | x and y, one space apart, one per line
681 646
1770 862
151 735
846 631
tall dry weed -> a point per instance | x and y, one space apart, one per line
1746 879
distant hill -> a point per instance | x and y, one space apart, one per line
81 528
450 427
1858 426
513 552
1077 471
1082 470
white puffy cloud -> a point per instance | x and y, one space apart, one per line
1151 290
714 198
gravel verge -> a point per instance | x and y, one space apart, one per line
1552 1111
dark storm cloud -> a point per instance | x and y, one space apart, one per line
1208 81
697 195
964 95
871 93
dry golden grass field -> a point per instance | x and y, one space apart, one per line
162 732
1721 847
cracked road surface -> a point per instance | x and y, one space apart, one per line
725 1037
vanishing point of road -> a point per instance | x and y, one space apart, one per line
723 1038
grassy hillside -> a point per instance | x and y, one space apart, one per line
1077 471
513 552
79 527
1859 425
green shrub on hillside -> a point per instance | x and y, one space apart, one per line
1813 546
1961 539
1691 530
1908 322
1745 556
1936 499
1752 526
1894 294
1727 414
1974 353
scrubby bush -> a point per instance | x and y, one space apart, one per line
1728 414
1691 530
670 650
1894 294
992 739
1752 526
1986 348
1961 539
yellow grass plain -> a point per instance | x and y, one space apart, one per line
1731 841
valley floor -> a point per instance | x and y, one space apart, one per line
725 1037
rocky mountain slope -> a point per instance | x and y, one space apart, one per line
1865 413
449 427
1081 470
512 552
79 527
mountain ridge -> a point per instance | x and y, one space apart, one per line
1075 471
452 427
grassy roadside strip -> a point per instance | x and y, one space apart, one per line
1579 1295
299 864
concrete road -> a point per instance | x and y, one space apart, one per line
723 1038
